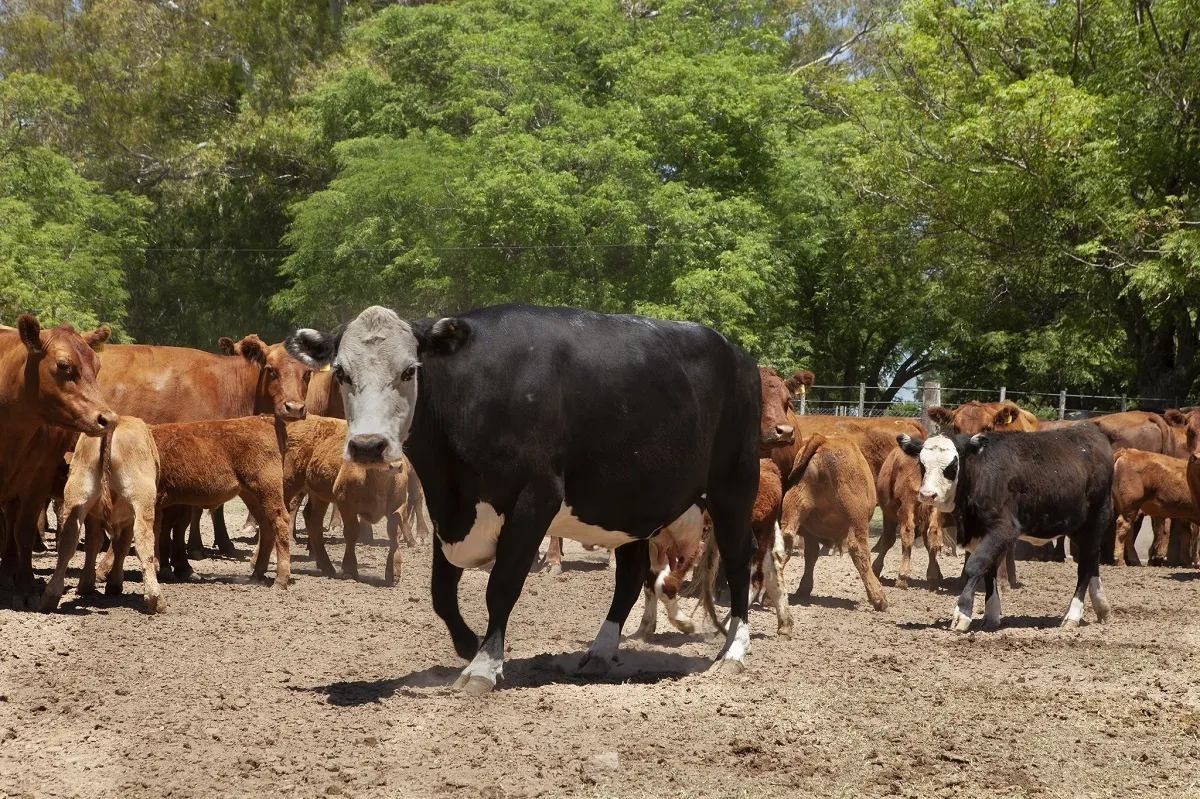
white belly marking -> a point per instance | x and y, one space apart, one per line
479 547
1038 542
567 525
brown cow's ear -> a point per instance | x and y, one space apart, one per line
98 336
227 345
1175 417
31 332
1006 415
805 377
253 349
939 415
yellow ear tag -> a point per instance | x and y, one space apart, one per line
802 389
326 367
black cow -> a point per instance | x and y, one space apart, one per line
604 429
1035 486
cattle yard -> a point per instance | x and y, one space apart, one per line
337 687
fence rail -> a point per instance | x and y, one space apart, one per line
853 401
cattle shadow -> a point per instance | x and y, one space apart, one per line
101 603
632 667
1183 577
836 602
1007 623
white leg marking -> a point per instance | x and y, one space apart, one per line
677 617
484 667
1074 612
603 651
1099 600
959 622
992 610
732 657
649 615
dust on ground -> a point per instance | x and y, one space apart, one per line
340 688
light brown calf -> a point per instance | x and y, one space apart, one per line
314 464
1148 483
672 552
113 480
830 497
896 489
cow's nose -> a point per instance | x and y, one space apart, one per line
106 420
367 448
785 431
926 496
296 410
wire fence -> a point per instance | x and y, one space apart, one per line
864 400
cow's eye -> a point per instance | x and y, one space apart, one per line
272 371
408 373
64 367
951 471
339 374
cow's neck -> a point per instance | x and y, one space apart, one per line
247 379
18 406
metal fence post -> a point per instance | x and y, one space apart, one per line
862 399
1002 393
1124 403
1062 404
803 401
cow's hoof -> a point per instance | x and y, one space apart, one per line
554 569
23 600
1069 624
727 666
960 623
785 631
282 584
184 572
881 605
114 589
474 685
156 604
901 582
49 602
196 553
593 665
643 633
991 624
685 626
1158 561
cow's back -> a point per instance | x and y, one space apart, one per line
175 384
612 407
216 456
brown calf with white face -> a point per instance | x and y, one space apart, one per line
114 480
1149 484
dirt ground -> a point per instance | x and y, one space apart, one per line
337 688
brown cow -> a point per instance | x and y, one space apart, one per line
672 553
48 395
983 417
1148 483
1193 462
829 496
113 479
314 463
896 489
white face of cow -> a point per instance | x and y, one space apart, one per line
939 464
374 361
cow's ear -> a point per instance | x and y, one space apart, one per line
228 347
444 336
1006 415
911 446
253 349
976 443
940 416
30 331
98 336
313 348
68 457
800 381
1175 417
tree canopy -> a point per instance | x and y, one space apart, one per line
993 193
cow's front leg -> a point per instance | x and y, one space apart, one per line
516 548
982 561
633 559
444 587
992 609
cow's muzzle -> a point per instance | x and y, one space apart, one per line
367 448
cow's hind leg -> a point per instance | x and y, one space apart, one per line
314 523
884 545
195 544
221 532
633 559
354 529
859 548
122 540
812 551
772 567
68 542
730 511
516 548
1089 542
992 608
396 528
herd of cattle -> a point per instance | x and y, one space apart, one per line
660 440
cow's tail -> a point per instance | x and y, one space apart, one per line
800 465
704 578
1168 437
105 466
